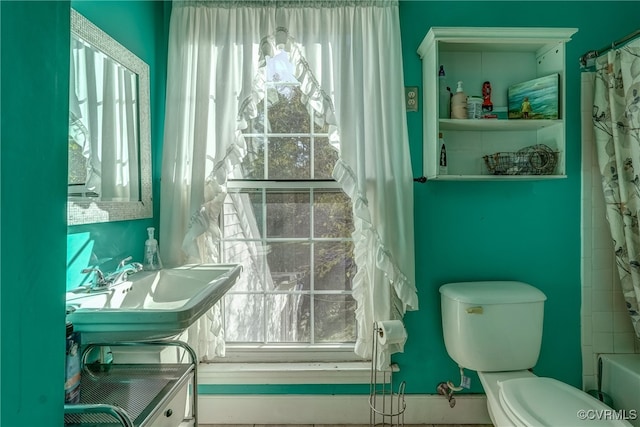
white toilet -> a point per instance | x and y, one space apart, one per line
495 328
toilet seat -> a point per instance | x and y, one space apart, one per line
540 401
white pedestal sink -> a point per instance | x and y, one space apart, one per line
150 305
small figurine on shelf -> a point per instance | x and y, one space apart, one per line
487 105
526 108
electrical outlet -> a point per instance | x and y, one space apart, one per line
411 98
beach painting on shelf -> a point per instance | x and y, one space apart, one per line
534 99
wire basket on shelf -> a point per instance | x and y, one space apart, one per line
536 159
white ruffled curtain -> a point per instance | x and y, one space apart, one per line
103 122
347 56
616 121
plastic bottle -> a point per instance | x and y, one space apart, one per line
72 367
151 252
474 107
444 95
459 104
442 152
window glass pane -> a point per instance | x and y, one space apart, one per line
335 319
289 318
291 246
243 215
244 317
332 214
286 112
253 276
255 125
253 163
288 214
289 158
320 125
334 266
289 266
325 158
280 68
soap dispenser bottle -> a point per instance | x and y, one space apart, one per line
151 252
459 104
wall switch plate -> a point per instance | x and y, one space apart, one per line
411 98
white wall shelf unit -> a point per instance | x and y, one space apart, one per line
504 57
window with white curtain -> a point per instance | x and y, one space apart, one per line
286 150
286 220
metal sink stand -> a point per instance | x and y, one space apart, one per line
132 394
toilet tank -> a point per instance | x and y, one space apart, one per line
492 326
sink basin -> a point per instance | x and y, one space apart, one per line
150 305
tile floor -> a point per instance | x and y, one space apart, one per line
340 425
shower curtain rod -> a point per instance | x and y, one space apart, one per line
592 54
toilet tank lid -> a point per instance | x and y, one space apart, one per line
492 292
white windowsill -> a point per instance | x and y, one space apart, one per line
285 373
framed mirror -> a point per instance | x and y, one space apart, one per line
109 129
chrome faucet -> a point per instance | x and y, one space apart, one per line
122 272
125 261
133 267
100 281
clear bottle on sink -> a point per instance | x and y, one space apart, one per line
151 252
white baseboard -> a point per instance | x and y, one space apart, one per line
335 409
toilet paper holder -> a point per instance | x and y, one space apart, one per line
386 405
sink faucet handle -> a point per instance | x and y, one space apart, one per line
100 280
125 261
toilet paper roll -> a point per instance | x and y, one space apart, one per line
391 332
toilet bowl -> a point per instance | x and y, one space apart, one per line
522 399
495 328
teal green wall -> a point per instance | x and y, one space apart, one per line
34 45
34 53
528 231
140 26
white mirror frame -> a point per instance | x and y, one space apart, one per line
89 212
